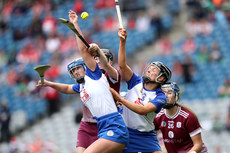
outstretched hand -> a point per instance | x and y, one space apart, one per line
73 17
122 32
116 95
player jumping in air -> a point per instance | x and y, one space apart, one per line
143 101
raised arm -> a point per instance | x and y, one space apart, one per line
84 51
107 65
63 88
125 69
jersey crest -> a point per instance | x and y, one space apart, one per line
178 124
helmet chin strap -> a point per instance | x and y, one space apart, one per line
80 80
103 71
148 80
168 106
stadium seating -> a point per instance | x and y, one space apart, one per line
207 79
211 75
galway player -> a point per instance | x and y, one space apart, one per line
180 127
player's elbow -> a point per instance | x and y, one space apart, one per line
198 146
123 67
83 48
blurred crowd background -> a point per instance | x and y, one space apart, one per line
190 36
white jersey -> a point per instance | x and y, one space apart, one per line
139 95
95 94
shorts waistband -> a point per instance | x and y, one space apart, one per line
105 116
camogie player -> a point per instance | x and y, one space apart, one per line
95 94
143 101
88 131
180 127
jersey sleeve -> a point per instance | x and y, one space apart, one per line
192 125
156 123
159 101
135 79
76 87
94 75
114 81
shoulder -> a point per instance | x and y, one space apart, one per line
135 79
186 113
159 92
160 95
160 114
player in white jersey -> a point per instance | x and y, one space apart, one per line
95 94
143 101
180 127
88 131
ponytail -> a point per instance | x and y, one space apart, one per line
188 109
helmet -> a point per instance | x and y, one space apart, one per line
164 71
76 63
173 86
108 54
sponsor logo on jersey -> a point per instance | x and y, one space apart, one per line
84 96
110 133
163 124
138 101
178 124
171 134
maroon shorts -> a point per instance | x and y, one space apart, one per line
87 134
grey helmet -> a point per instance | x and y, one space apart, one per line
164 71
108 54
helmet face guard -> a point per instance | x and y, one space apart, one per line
164 71
108 54
174 87
76 63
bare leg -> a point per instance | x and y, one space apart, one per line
80 149
157 152
105 146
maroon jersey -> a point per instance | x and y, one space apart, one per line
115 84
177 130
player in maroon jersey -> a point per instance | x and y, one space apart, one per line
180 127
